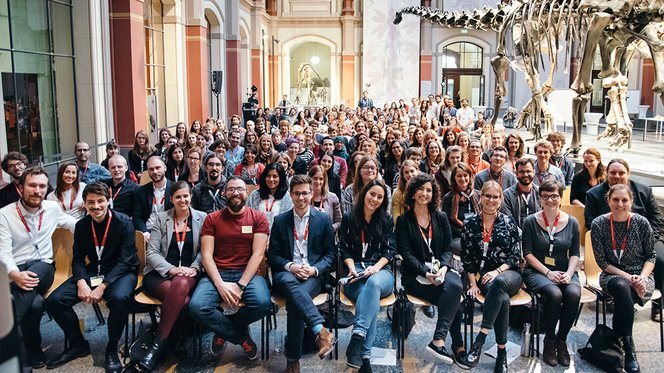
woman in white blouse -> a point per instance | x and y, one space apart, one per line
69 191
271 197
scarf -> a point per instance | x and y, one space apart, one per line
463 197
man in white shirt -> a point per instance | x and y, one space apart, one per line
466 116
26 250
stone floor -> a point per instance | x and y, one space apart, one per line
416 359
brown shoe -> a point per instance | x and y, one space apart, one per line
293 367
563 354
325 343
550 355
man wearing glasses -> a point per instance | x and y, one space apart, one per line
233 242
89 172
302 252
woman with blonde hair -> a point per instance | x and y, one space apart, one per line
408 170
140 153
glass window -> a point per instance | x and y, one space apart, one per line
462 56
154 61
29 25
4 25
61 28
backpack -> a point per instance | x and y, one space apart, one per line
403 308
603 350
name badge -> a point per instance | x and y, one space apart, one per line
247 229
96 281
549 261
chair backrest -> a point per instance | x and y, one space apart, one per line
140 250
577 212
590 266
566 196
145 178
63 250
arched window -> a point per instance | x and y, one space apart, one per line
462 56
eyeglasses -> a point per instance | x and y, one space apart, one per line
301 194
549 197
233 190
369 168
491 197
194 159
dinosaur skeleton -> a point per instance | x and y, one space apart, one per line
539 25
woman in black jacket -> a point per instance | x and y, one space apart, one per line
367 246
423 240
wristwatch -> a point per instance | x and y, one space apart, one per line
242 287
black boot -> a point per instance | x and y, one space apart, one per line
473 356
149 359
631 365
501 361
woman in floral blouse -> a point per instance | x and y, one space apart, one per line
490 256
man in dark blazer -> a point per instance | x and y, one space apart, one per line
153 197
105 240
301 254
644 204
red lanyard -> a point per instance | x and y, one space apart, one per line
180 239
430 234
553 162
25 223
322 204
117 192
306 233
620 253
154 199
85 170
71 200
268 208
18 190
486 233
100 248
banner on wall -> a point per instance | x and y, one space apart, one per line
391 53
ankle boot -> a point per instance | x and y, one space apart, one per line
631 365
149 360
501 361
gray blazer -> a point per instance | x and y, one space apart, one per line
160 240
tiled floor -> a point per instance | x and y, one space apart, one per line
646 334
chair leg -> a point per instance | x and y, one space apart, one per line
661 325
100 316
596 311
263 338
335 320
576 320
125 353
604 311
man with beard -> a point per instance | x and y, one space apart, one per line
26 250
122 189
153 197
474 158
301 254
235 153
89 172
495 171
497 139
14 164
644 203
544 170
207 195
104 239
522 199
466 116
233 243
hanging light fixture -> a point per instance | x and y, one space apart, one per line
315 59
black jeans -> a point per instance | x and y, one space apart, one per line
118 299
624 298
497 295
562 303
659 265
300 308
447 297
29 305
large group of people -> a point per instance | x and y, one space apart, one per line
327 190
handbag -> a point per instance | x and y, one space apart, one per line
603 350
403 308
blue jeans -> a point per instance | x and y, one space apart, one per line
366 293
204 306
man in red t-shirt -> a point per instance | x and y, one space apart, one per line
233 242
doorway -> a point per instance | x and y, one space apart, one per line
462 73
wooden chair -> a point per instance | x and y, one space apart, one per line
566 196
144 178
251 188
587 296
63 252
592 272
